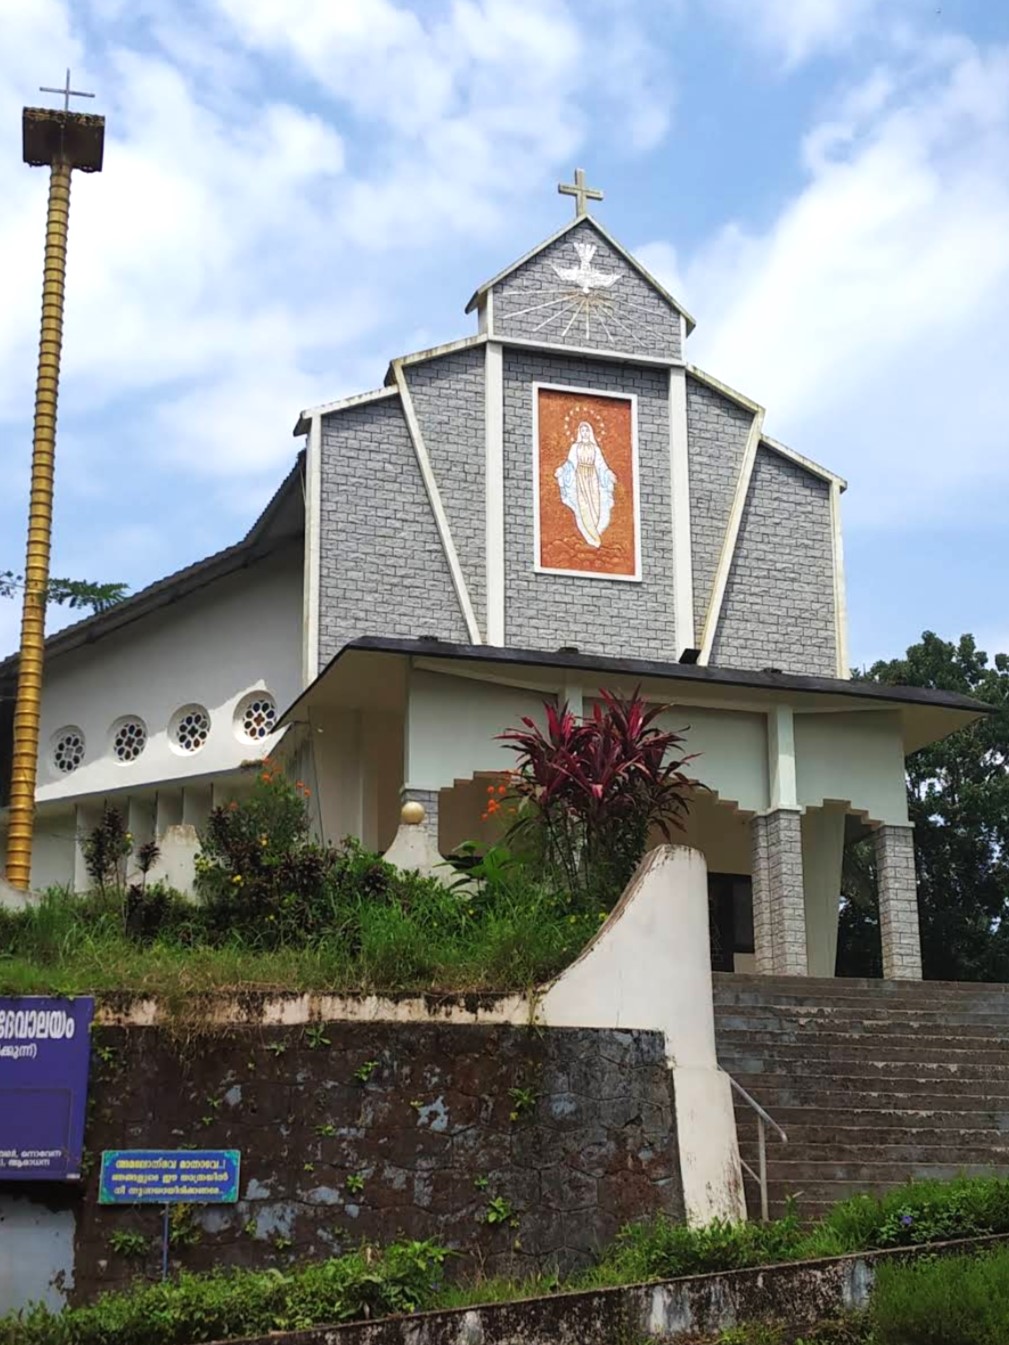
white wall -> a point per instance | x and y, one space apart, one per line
650 967
731 748
358 772
211 648
452 725
36 1252
854 758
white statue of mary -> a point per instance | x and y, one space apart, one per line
586 485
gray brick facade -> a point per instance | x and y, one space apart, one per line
630 316
602 616
779 908
898 903
382 568
448 398
778 609
717 430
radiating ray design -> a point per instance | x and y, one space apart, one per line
575 304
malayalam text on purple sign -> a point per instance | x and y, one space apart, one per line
45 1049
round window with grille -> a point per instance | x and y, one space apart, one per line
67 749
256 716
189 728
129 738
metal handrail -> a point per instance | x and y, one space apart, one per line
763 1120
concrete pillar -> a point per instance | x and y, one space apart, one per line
86 818
822 857
415 847
779 911
428 800
898 903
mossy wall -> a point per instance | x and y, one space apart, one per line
521 1148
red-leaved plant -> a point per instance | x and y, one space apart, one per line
592 789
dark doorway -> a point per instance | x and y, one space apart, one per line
730 905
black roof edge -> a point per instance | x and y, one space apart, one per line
767 679
254 546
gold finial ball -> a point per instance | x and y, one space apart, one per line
412 813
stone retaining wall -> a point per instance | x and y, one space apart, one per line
800 1294
521 1148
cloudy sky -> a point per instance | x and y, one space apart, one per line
297 190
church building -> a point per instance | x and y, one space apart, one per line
557 503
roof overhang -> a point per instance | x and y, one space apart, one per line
372 672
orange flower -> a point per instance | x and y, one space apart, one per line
502 789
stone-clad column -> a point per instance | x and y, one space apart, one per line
898 903
779 909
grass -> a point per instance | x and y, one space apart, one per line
958 1301
962 1300
66 944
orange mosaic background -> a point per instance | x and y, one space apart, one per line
562 546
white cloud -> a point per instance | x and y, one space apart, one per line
870 316
792 31
228 262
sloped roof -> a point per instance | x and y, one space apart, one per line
273 526
608 237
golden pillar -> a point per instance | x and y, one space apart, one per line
62 141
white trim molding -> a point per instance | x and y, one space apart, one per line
748 404
728 552
679 485
800 460
313 552
435 353
598 394
437 508
589 352
781 774
488 286
494 497
327 408
840 590
716 384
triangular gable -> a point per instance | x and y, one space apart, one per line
629 258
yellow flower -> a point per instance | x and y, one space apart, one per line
237 878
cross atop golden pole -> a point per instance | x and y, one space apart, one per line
61 141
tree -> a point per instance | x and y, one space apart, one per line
958 800
73 593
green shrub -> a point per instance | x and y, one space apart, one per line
591 788
922 1211
961 1300
851 1329
194 1308
658 1249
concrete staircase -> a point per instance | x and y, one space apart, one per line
873 1081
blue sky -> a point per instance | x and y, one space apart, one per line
297 190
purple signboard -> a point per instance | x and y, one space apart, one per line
45 1049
